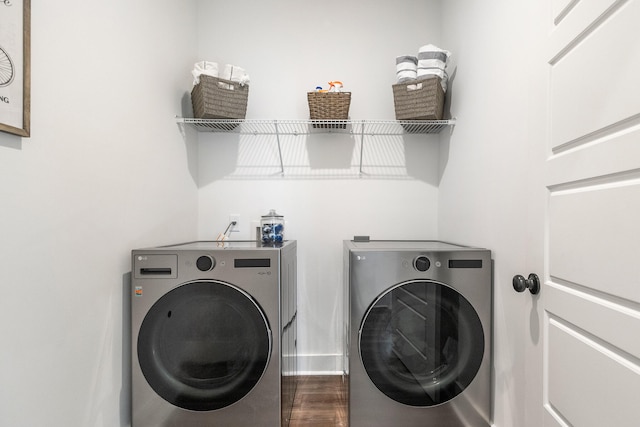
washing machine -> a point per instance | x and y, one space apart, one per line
418 334
213 334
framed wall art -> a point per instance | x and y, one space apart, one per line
15 66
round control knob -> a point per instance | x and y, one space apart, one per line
421 263
205 263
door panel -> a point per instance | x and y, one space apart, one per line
561 8
591 296
614 321
613 156
575 21
603 376
593 235
601 96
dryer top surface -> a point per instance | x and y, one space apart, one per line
422 245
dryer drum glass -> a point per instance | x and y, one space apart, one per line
204 345
421 343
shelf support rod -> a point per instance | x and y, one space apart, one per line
275 122
361 144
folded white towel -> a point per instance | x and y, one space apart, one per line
434 53
204 67
433 61
235 74
426 73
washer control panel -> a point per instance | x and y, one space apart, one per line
155 266
205 263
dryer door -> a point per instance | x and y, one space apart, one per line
421 343
204 345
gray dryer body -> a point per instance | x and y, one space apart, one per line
419 334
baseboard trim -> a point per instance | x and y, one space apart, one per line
318 373
320 364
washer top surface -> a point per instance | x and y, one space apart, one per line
423 245
226 244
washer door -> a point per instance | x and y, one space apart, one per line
204 345
421 343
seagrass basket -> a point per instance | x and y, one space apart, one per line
216 98
421 99
332 106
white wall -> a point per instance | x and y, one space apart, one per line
483 198
105 170
288 48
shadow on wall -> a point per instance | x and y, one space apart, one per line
125 392
445 139
318 156
326 152
190 137
10 141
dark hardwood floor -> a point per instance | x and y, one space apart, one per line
320 402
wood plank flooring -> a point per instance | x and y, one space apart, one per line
320 402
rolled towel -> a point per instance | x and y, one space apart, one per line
433 61
204 67
235 74
406 68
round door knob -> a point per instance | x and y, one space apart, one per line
532 283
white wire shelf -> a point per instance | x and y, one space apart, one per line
360 128
305 127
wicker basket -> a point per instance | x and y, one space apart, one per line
216 98
419 99
332 106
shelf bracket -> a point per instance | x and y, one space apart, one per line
361 144
275 122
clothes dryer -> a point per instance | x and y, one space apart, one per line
418 334
213 334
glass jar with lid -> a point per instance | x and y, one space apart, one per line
272 227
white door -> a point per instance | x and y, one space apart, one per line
587 354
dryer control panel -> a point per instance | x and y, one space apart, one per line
421 263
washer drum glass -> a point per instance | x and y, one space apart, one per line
421 343
204 345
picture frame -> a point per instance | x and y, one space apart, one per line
15 67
